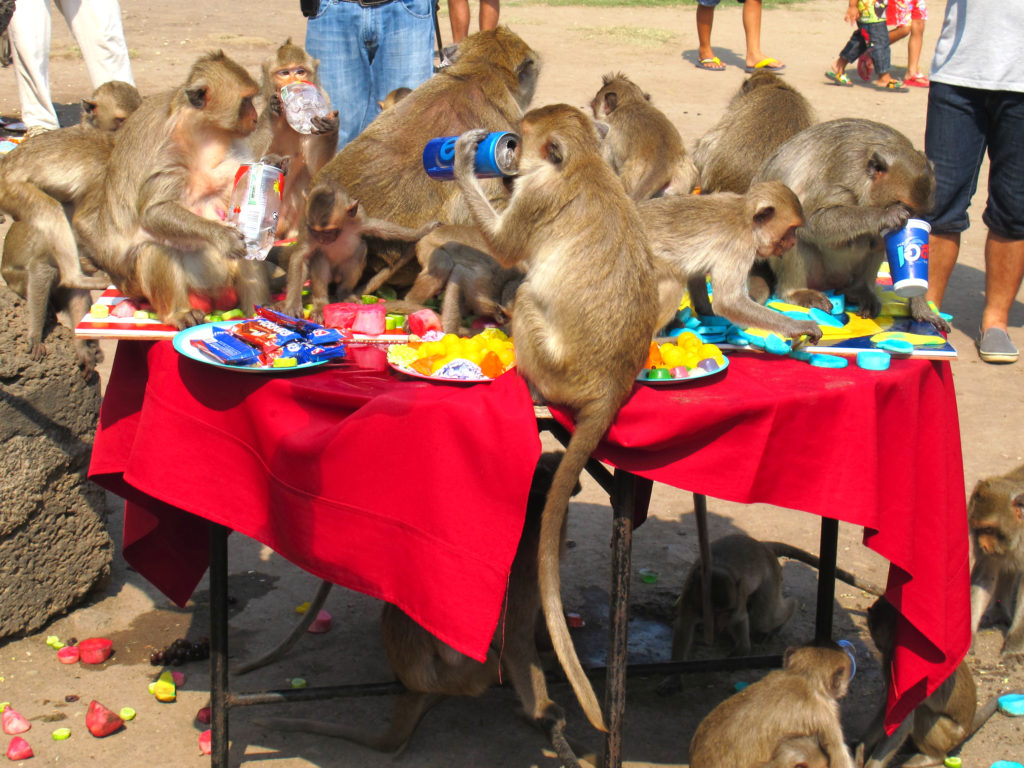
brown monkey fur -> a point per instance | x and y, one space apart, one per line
393 98
40 182
856 180
995 515
489 86
585 313
642 146
157 226
799 700
722 234
765 112
307 153
456 260
939 724
332 250
431 670
801 752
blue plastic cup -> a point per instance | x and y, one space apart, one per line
907 251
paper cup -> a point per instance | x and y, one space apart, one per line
907 251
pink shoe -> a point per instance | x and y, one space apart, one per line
865 68
918 81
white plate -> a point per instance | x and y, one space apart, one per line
692 377
418 375
182 342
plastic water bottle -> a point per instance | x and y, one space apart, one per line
255 206
302 101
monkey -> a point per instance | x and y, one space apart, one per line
939 724
723 233
800 752
764 112
746 595
995 516
431 670
393 98
642 144
856 179
584 314
489 86
455 259
157 226
332 250
274 135
799 700
40 183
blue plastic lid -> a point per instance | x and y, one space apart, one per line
873 360
828 361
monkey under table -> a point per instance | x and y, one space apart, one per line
306 464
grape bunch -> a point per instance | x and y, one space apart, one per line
180 651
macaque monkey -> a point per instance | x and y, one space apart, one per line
456 259
40 183
393 98
489 86
939 724
307 153
158 226
856 180
585 313
722 234
801 752
332 250
642 145
995 515
431 670
765 112
799 700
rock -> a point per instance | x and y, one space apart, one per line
54 545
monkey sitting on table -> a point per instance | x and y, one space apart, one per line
856 180
800 700
995 515
642 145
431 670
40 183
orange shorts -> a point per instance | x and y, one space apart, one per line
900 12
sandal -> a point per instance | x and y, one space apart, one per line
771 64
713 64
918 81
894 85
839 78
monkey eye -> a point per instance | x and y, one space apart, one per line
990 531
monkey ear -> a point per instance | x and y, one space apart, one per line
787 655
602 128
553 151
1018 506
611 101
352 209
764 214
876 166
526 71
88 106
840 677
196 96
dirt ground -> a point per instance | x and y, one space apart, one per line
577 45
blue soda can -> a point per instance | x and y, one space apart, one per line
495 156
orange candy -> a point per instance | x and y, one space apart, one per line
491 365
654 359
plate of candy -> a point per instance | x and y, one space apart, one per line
687 359
449 358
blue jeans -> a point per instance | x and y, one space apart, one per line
872 37
365 53
962 124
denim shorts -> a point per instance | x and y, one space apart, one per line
712 3
964 123
872 38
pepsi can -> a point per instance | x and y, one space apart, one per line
495 156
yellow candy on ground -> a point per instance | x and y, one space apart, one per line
163 688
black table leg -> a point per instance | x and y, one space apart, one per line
219 644
828 550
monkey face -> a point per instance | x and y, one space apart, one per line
290 73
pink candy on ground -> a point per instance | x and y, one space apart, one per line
321 624
101 721
19 749
95 650
206 742
69 654
178 677
13 722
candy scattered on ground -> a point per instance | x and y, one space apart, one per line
127 713
206 742
60 734
13 722
19 749
298 682
69 654
95 650
321 624
204 715
163 688
101 721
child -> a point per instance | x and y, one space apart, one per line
904 17
872 36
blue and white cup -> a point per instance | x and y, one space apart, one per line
907 251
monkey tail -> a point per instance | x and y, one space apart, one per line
985 711
781 549
592 421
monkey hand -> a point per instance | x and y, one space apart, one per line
230 243
808 297
325 124
427 229
465 152
275 105
893 218
921 311
810 329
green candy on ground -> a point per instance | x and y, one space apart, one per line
60 734
127 713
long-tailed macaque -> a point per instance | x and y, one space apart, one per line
489 86
307 153
431 670
799 700
765 112
584 314
642 145
722 234
40 183
158 226
856 180
995 515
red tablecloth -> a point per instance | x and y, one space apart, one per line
414 492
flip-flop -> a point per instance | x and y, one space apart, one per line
839 78
773 65
706 64
893 86
918 81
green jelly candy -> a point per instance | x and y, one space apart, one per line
61 733
127 713
659 373
232 314
298 682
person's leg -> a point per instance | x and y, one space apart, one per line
914 46
752 33
878 35
898 33
458 14
489 10
403 58
853 50
29 33
943 250
96 27
1004 272
705 20
336 36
